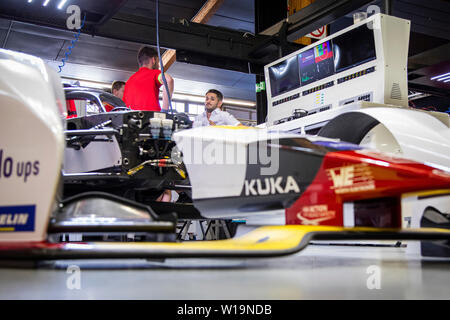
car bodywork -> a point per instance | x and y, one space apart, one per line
318 181
82 101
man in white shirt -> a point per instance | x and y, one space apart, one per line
213 115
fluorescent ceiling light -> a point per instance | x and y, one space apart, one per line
440 76
92 84
176 96
30 1
61 4
87 83
45 3
237 102
201 99
188 97
444 78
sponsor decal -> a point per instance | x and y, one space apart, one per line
313 215
9 167
17 218
274 185
354 178
339 145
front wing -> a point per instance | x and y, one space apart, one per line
267 241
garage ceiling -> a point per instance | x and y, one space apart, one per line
104 60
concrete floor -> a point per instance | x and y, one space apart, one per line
318 272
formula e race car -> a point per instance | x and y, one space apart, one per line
83 101
329 189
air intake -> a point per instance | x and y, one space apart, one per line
395 92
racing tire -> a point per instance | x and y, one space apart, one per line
350 127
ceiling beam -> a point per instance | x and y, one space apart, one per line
207 11
187 36
203 15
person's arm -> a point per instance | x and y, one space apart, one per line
197 122
232 121
170 84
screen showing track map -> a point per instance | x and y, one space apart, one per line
345 51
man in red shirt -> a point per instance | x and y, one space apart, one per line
142 89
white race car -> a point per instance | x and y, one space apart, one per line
330 190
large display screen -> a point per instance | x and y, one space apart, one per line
323 54
316 63
343 52
284 76
353 48
307 67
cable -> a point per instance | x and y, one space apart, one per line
159 57
69 49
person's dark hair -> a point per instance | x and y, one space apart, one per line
145 54
116 85
217 92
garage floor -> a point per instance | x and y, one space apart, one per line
318 272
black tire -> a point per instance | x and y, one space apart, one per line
433 218
350 127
